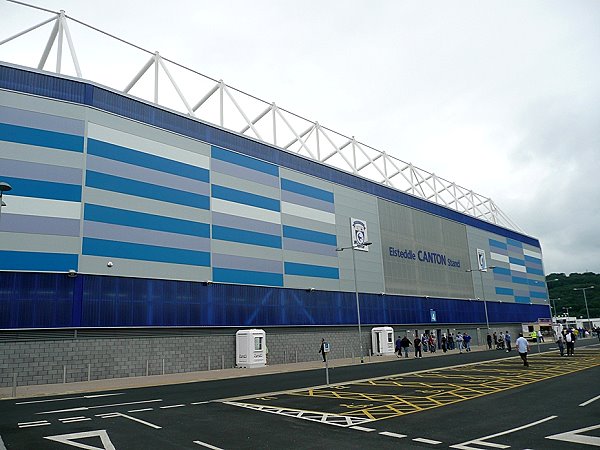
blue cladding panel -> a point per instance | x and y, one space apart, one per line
514 242
127 250
135 219
533 271
520 280
504 291
309 235
534 294
518 261
245 198
247 277
533 259
37 261
40 138
146 190
245 161
501 271
44 189
126 155
521 299
35 300
245 237
304 189
48 300
498 244
309 270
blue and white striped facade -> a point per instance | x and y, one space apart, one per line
175 203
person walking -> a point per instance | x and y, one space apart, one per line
404 344
467 341
459 341
507 340
451 341
398 348
495 340
561 345
489 341
322 350
570 340
523 348
444 343
417 344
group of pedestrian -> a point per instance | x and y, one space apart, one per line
428 343
502 341
566 338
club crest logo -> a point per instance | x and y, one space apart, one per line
359 234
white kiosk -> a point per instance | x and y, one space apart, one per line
382 341
251 348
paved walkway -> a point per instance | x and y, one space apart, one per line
192 377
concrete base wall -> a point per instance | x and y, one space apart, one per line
83 354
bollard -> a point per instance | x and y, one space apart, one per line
14 386
327 371
89 372
352 356
64 374
208 362
296 351
285 356
223 362
163 372
147 367
344 352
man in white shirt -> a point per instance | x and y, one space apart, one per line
522 347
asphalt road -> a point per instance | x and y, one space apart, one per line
471 401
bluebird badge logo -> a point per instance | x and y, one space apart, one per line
481 263
359 234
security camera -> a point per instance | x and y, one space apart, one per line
72 273
109 264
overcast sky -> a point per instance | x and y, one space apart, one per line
502 97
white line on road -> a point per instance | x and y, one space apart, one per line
199 403
427 441
85 408
479 441
83 419
394 435
140 410
171 406
577 437
67 398
71 418
368 430
118 414
590 401
41 424
204 444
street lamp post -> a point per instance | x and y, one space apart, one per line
353 248
487 320
553 305
585 300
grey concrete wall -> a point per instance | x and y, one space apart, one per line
44 360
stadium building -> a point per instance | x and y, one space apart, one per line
136 240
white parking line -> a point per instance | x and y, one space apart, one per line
427 441
140 410
394 435
368 430
590 401
171 406
480 441
34 424
204 444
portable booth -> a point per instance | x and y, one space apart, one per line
251 348
382 340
